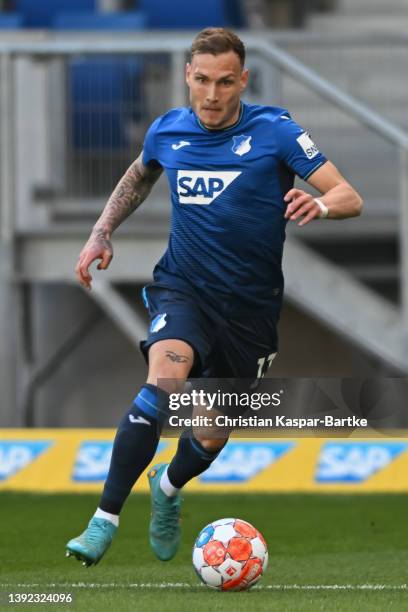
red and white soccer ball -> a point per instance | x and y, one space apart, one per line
230 555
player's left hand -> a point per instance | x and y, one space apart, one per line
301 204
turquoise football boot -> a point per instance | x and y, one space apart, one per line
92 544
164 530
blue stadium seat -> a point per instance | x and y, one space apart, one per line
105 91
135 20
40 13
11 21
186 14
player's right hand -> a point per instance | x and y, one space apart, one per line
97 247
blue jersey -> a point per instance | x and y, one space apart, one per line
227 188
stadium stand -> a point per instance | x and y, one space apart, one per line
184 14
11 21
79 20
40 13
105 92
160 14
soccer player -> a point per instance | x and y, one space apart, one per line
217 291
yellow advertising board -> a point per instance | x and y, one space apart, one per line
77 460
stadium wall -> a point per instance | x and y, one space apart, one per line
77 460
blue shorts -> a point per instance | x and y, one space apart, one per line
223 348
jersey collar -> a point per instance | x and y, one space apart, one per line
229 127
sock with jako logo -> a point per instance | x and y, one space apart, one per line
134 446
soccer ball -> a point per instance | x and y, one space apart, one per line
230 555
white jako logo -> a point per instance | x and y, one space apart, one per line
178 145
138 419
201 186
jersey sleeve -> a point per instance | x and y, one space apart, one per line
150 153
296 148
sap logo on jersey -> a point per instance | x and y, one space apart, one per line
355 462
308 145
201 186
93 460
239 462
16 455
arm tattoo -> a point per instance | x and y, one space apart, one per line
99 235
132 189
176 358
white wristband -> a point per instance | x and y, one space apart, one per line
324 211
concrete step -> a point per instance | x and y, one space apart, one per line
313 111
376 76
378 95
381 24
379 69
367 7
323 116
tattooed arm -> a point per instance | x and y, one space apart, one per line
132 189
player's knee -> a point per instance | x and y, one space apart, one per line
167 378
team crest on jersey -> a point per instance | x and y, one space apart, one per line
242 144
202 186
158 323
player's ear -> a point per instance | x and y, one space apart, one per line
244 78
188 72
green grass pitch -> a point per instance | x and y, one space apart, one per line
327 552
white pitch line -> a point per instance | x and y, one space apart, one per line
177 585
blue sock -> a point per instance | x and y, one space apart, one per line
190 460
134 446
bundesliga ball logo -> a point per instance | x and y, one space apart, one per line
230 555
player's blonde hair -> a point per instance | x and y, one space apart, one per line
216 41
